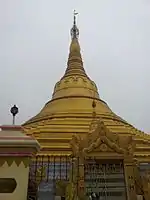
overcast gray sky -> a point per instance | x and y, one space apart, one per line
115 43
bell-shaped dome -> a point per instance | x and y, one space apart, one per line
75 91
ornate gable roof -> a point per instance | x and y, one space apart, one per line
102 140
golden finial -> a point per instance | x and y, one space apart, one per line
74 30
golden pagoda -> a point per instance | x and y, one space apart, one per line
77 122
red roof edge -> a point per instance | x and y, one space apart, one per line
11 128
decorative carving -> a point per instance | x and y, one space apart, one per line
41 172
129 168
70 191
131 183
103 147
77 145
127 143
65 189
17 160
101 139
106 143
120 144
10 161
75 81
66 81
99 129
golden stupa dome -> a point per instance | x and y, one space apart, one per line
70 109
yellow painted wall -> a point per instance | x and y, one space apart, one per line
20 173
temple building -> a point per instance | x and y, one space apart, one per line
110 159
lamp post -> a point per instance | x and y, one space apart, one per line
14 111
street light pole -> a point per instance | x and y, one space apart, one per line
14 111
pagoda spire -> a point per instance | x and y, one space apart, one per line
74 64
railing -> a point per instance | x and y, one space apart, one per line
45 172
49 177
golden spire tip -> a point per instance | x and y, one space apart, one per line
74 30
